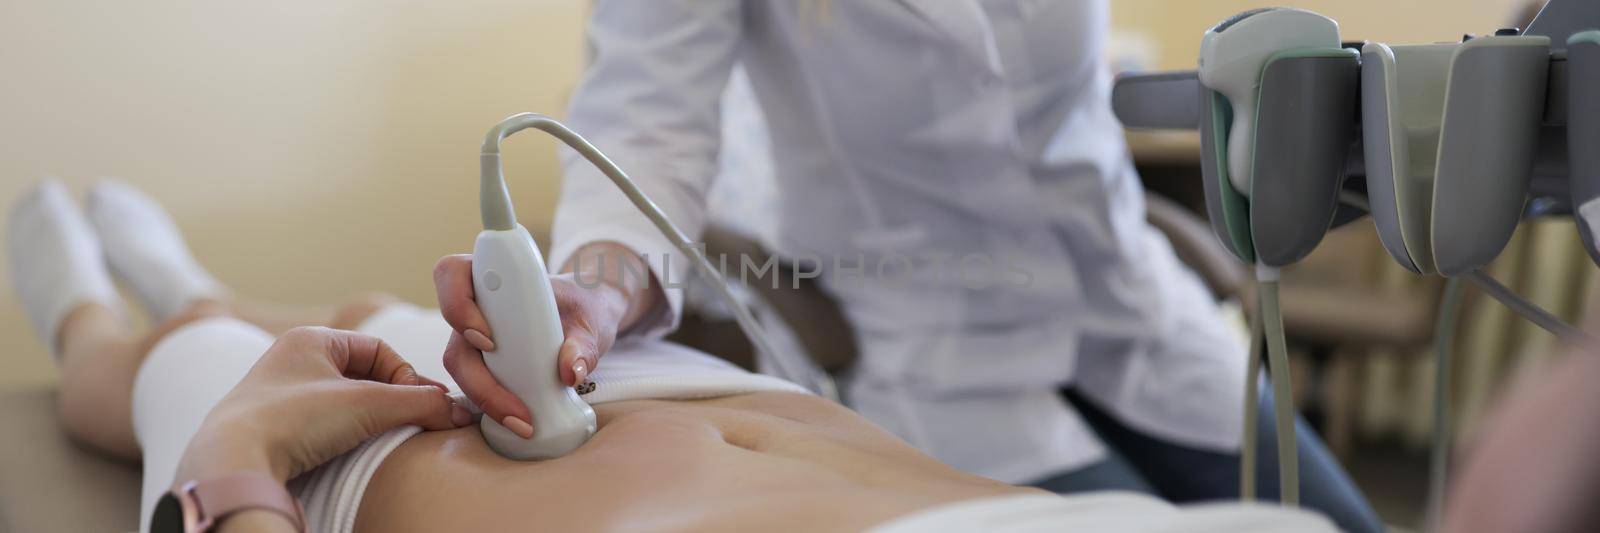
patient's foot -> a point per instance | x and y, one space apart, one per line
55 259
146 250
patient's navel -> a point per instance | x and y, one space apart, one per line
741 440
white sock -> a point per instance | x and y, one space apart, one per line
55 259
146 250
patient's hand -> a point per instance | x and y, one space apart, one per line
315 394
591 316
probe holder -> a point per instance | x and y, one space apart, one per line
1305 130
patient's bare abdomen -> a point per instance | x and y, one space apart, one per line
755 461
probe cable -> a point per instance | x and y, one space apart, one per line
741 314
1282 387
1444 336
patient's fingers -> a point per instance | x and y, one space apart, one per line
425 380
466 365
360 356
452 282
370 358
390 406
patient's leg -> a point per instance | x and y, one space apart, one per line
60 278
278 318
99 358
59 275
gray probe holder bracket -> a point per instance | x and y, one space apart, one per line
1566 162
1305 130
1583 131
1450 135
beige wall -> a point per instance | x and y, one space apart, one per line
309 149
1175 26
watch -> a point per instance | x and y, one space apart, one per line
198 506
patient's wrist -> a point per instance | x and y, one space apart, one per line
217 451
213 463
216 455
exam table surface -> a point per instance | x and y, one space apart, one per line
48 482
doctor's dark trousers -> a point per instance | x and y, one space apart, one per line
1140 463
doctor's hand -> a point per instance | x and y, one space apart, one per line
592 313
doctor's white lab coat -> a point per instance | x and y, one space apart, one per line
954 169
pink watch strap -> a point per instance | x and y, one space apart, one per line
216 498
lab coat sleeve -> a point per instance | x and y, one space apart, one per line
649 100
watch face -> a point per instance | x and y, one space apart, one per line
168 515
